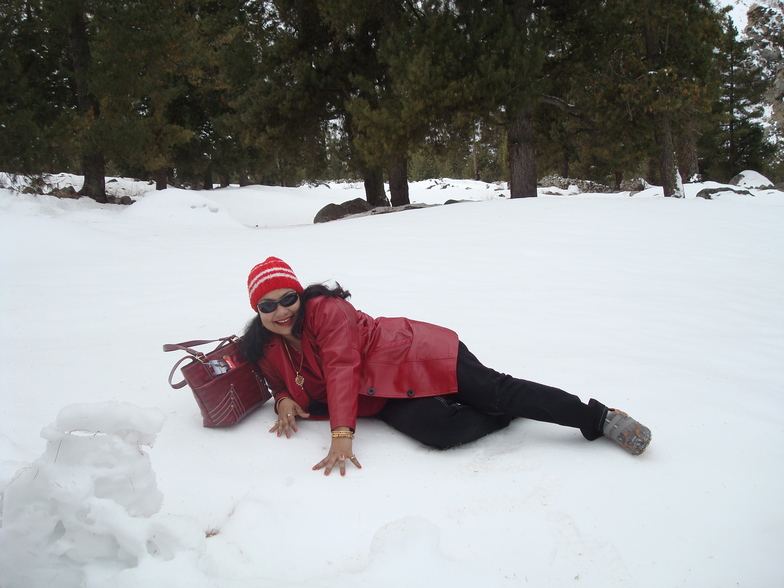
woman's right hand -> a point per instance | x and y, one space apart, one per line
288 411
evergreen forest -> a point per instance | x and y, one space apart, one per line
280 92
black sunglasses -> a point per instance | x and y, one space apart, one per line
268 306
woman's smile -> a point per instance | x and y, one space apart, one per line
281 320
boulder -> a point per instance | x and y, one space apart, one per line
329 213
708 193
634 185
388 209
124 200
356 206
557 181
336 211
553 181
67 192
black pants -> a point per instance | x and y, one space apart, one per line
487 401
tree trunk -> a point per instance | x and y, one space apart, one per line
93 165
161 178
244 179
668 168
374 186
208 178
688 162
94 172
564 167
522 159
224 179
398 181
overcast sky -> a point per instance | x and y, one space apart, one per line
739 10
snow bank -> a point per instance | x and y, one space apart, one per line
12 202
668 308
82 513
182 207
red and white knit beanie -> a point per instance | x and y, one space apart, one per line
271 274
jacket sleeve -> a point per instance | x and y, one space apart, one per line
334 335
274 380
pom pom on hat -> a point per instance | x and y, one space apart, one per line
271 274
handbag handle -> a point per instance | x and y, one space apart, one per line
179 385
186 345
194 355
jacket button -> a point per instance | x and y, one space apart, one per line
410 393
371 391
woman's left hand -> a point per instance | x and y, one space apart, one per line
339 452
288 411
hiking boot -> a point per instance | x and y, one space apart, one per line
626 432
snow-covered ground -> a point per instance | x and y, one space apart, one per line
672 310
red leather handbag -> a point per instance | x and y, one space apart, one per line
226 385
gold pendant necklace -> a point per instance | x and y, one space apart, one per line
299 380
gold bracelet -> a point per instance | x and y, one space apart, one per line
278 401
342 435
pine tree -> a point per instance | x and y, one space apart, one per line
737 141
76 18
295 88
766 33
223 56
507 36
34 92
371 118
118 67
149 57
477 60
661 74
577 122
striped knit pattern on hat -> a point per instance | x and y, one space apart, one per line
271 274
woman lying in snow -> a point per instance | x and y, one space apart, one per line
323 358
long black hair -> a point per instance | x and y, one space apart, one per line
256 336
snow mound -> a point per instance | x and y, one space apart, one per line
12 202
132 424
180 207
415 541
751 179
82 513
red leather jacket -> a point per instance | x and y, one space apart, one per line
354 363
